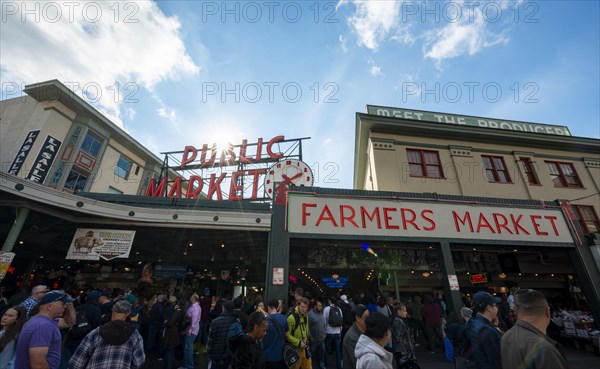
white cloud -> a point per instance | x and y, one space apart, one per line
460 38
373 21
163 112
343 45
375 70
100 48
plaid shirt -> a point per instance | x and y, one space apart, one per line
94 353
29 303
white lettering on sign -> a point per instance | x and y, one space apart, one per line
366 217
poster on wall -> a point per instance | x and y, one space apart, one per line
43 161
6 259
17 163
93 244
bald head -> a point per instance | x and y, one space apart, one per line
529 302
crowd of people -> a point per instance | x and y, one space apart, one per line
116 329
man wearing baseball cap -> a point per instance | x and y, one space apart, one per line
40 340
484 338
116 344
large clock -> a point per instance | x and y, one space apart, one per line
288 171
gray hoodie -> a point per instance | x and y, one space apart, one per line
369 355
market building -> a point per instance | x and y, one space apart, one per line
441 203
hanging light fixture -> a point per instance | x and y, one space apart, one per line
426 274
502 275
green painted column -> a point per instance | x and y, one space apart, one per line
15 230
452 298
278 255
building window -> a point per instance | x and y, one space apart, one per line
114 190
495 169
563 174
91 144
423 163
122 168
587 218
529 169
76 180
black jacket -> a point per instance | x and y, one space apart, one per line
93 314
217 345
248 354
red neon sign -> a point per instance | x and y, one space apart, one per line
479 278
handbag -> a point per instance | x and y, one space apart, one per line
291 357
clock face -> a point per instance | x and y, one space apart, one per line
289 171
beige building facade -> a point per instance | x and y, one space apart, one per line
434 156
53 137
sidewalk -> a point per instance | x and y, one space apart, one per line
578 359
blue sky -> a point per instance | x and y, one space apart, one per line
170 62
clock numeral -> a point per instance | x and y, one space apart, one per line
278 165
288 162
272 172
308 178
305 170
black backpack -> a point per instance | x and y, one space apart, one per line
335 319
184 323
82 325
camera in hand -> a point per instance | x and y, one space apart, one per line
307 350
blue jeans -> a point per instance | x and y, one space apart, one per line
188 351
335 340
317 351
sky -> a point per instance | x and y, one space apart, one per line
177 73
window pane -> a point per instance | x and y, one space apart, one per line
567 169
490 175
433 171
71 179
487 163
416 170
499 164
80 184
431 158
553 168
413 156
502 177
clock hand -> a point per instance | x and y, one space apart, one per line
296 176
286 179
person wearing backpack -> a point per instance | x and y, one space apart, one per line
274 340
298 333
217 345
87 318
334 320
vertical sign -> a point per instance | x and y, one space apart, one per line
453 280
44 160
278 276
16 165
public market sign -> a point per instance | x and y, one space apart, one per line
233 169
428 116
393 218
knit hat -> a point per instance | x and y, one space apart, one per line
122 306
466 312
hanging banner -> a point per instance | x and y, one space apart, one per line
44 160
93 244
16 165
6 259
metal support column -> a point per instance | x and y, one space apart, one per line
9 243
278 255
452 298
